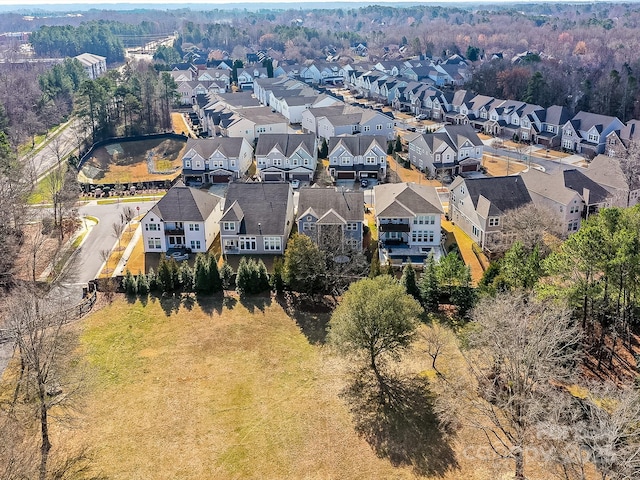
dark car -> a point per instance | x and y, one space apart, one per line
364 183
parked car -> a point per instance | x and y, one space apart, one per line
421 117
411 129
295 183
364 183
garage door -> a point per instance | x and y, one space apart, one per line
469 168
272 177
220 178
346 175
300 176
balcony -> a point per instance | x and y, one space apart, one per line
174 231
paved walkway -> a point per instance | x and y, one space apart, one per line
122 263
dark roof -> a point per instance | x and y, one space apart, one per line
260 203
358 144
348 204
504 193
286 143
230 147
185 204
578 182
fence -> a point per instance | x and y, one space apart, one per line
69 315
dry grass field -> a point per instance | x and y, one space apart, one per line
127 162
230 389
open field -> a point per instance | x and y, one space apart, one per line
133 162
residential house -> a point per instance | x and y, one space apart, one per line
587 132
568 193
286 156
607 172
257 219
94 65
184 217
408 219
451 150
618 141
215 160
354 157
332 217
549 133
477 205
250 123
247 75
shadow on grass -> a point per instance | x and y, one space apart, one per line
312 314
403 428
253 302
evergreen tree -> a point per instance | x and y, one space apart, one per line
324 149
152 280
226 276
143 284
129 283
277 283
165 276
429 288
243 277
408 281
398 144
390 147
388 269
213 274
201 274
464 295
263 277
186 277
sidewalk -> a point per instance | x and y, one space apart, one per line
122 263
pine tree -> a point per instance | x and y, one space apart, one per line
243 277
226 276
429 288
408 281
165 276
388 269
201 275
276 281
130 284
324 149
398 144
464 295
213 274
143 284
152 280
375 270
186 277
263 277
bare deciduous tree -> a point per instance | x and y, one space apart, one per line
519 349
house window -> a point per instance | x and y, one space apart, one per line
366 128
195 244
370 160
494 221
154 227
198 164
345 160
551 129
574 209
310 226
306 162
352 227
378 127
262 162
248 243
272 243
187 163
229 226
568 133
567 144
194 227
154 243
476 231
352 243
422 236
573 226
277 162
424 220
232 163
217 163
593 138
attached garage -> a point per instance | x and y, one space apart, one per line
272 177
220 178
303 177
346 176
469 168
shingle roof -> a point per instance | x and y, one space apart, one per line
285 142
264 205
229 146
358 145
349 205
394 199
579 182
504 193
606 170
185 204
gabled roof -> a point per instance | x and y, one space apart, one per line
230 147
579 182
586 120
557 115
358 145
348 205
503 193
287 143
233 213
405 199
185 204
606 170
264 205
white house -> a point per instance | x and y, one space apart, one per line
94 65
184 217
217 159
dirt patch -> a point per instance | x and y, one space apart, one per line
132 162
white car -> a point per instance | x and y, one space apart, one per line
295 183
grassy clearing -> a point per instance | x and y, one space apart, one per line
215 390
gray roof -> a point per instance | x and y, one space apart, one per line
606 170
587 120
347 204
358 144
185 204
262 206
557 115
579 182
504 193
287 143
405 199
229 146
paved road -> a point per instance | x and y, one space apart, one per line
59 146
